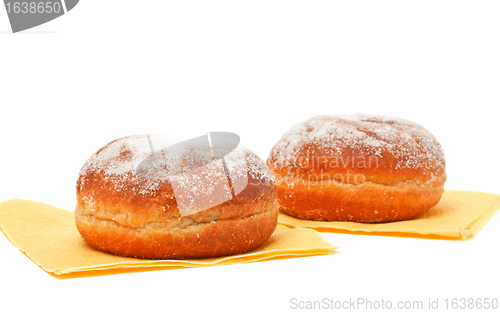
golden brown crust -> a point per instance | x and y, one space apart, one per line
363 168
158 240
369 202
122 212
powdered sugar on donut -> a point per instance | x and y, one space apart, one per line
118 161
412 145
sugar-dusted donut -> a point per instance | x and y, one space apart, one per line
131 212
360 168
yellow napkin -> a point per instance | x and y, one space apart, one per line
458 215
48 236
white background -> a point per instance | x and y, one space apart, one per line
113 68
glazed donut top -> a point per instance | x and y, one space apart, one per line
113 176
382 149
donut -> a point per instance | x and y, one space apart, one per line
161 204
358 168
